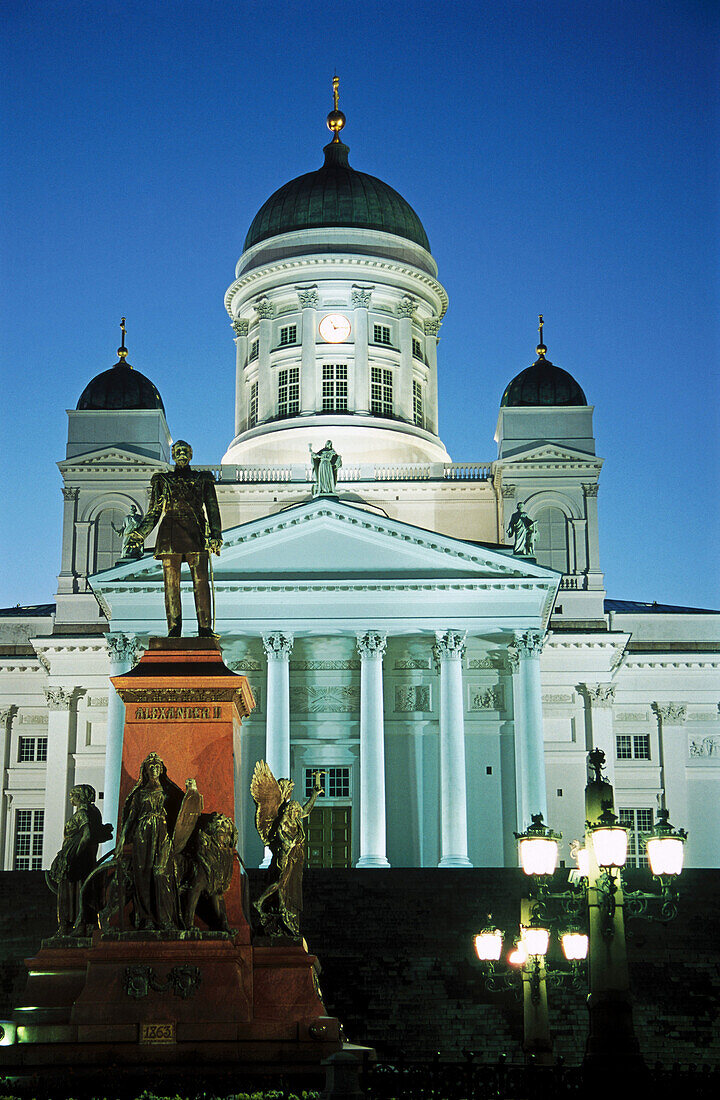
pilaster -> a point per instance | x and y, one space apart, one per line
431 328
403 400
7 714
240 328
361 297
59 702
529 739
66 577
599 699
309 300
266 394
672 740
124 650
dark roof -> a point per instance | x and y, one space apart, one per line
120 388
543 384
335 195
634 606
35 610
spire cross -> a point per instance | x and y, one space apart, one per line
336 91
541 349
122 350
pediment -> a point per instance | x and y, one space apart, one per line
551 454
332 541
111 456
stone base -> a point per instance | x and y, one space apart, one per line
160 998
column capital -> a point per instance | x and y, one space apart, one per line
265 309
58 698
529 643
406 306
432 326
591 490
308 297
240 326
278 645
372 643
449 644
513 657
69 492
360 296
672 713
507 489
122 647
7 714
599 695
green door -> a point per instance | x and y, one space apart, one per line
328 837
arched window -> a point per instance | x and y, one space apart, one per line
551 544
108 544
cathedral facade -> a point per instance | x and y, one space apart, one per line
435 637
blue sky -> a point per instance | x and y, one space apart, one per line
562 157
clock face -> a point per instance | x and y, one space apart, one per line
334 328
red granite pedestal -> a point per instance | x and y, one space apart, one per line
200 997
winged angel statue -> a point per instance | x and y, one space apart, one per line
279 822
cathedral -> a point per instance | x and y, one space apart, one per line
434 637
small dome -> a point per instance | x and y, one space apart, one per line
336 196
543 384
119 388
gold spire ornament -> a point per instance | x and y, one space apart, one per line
122 350
336 119
540 349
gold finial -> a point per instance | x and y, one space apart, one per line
336 119
122 350
540 349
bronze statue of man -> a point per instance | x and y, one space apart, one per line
185 502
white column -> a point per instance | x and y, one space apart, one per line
373 841
595 577
278 647
600 698
449 650
308 297
59 701
519 723
432 327
361 297
403 399
123 651
240 327
266 392
529 741
672 740
83 564
67 572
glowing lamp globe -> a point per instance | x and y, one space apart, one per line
575 946
583 861
609 840
518 956
538 848
666 847
488 944
535 939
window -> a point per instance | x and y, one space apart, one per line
336 782
32 749
108 538
288 335
551 539
254 351
634 746
381 335
638 822
418 403
289 391
253 405
417 350
334 387
28 840
381 402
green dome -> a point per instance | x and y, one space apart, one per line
120 388
336 196
543 384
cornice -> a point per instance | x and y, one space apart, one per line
262 273
350 586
